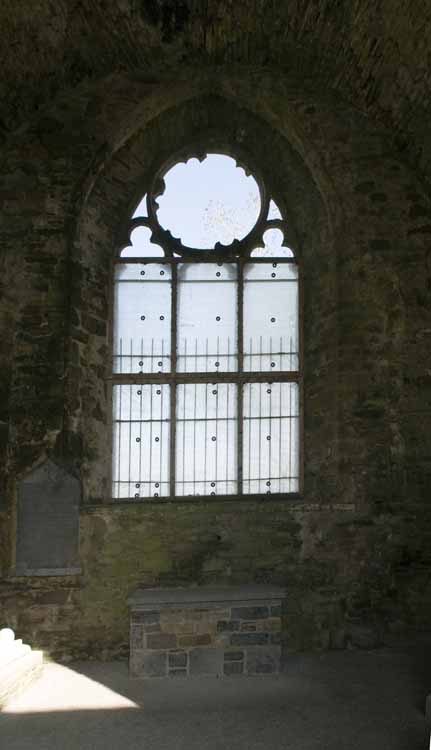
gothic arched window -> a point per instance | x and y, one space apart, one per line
206 353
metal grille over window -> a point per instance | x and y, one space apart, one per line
141 440
206 377
271 431
206 439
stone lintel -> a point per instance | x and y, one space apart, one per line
203 596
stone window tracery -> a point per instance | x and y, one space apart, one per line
205 339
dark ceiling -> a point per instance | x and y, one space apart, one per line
376 54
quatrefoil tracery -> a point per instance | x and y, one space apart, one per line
173 247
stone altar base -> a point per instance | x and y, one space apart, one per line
205 631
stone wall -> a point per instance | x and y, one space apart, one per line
354 551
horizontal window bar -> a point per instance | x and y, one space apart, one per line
271 418
143 281
201 356
206 377
201 259
270 281
142 356
139 483
139 421
190 419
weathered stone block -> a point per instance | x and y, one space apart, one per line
233 655
363 636
53 597
205 627
136 641
161 640
147 618
249 613
185 641
249 639
233 667
145 664
263 660
180 628
155 628
205 661
177 659
224 626
272 624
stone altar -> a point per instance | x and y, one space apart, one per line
185 632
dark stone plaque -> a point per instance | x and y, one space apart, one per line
48 522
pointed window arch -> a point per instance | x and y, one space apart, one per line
206 345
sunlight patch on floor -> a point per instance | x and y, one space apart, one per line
61 688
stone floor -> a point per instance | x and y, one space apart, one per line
353 700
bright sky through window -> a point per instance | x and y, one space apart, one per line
208 202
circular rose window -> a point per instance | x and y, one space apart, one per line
208 202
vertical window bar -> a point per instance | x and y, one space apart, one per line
290 420
206 419
240 347
250 422
300 433
194 419
184 388
259 463
216 431
280 426
140 428
161 427
151 422
270 421
173 388
119 427
280 421
227 418
227 430
130 421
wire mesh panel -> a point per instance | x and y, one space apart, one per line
206 439
142 318
271 432
271 317
207 317
141 440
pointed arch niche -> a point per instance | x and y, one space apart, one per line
203 125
